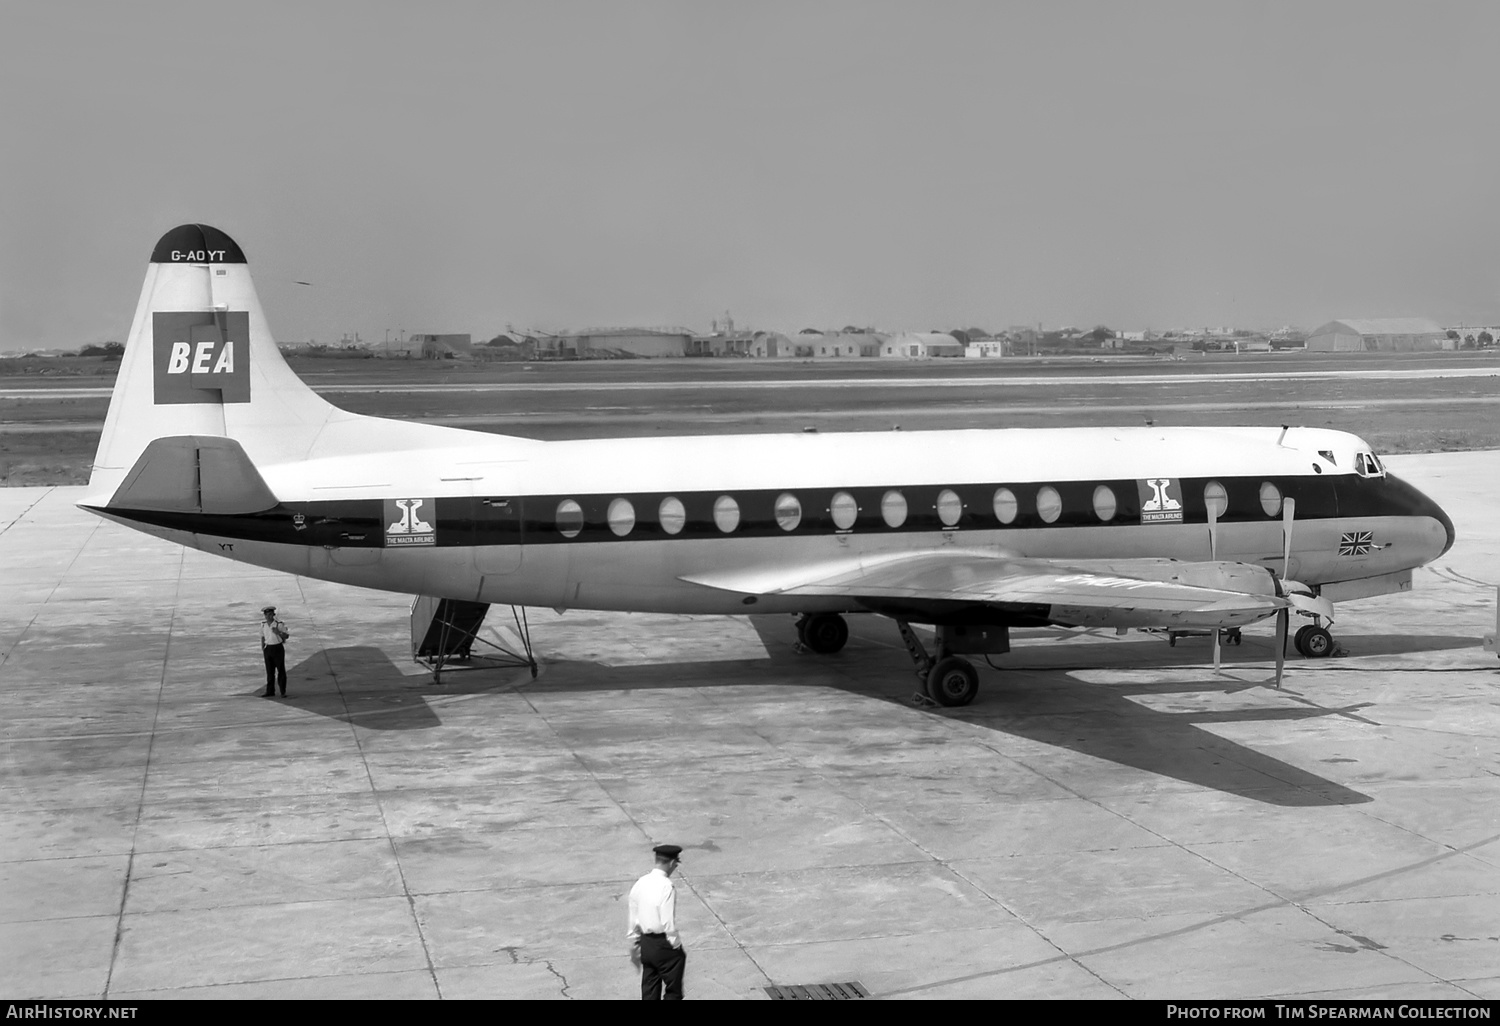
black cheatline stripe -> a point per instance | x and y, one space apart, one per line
532 519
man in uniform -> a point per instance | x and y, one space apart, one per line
273 635
654 944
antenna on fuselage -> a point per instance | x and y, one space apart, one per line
1282 437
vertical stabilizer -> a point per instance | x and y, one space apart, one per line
200 360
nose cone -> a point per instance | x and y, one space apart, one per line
1411 502
1442 518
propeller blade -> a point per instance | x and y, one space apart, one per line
1216 650
1282 617
1213 531
1288 514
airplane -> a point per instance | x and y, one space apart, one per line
213 442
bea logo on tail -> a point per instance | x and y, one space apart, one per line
201 357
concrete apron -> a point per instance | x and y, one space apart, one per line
1109 819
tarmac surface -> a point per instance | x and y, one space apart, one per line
1109 819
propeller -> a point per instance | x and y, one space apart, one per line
1213 554
1284 615
1288 515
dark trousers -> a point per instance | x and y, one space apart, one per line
275 667
661 967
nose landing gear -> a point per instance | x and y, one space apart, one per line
1314 641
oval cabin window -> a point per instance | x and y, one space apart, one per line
788 511
1048 504
893 508
1006 506
621 517
569 518
843 509
949 507
1216 498
1104 503
671 515
726 513
1270 498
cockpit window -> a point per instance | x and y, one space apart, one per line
1367 465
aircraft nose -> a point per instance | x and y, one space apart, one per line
1414 503
1442 518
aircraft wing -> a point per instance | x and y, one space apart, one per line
1086 593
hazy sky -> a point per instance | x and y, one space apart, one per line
464 166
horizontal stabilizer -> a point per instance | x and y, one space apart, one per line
193 474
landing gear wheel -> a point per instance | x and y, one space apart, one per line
953 681
1314 642
1299 640
824 633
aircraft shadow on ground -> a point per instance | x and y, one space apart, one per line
1042 703
361 686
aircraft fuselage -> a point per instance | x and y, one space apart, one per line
618 523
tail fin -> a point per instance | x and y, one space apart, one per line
200 361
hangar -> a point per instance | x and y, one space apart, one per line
917 345
616 343
1388 335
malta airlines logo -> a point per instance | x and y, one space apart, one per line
201 357
1161 500
409 522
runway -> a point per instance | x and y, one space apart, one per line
1110 819
1028 379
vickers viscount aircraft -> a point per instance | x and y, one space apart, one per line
213 442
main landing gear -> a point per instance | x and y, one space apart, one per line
947 678
950 680
823 633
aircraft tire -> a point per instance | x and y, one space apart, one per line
825 633
1317 643
952 682
1299 640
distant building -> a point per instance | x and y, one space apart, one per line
843 344
921 345
436 347
987 349
624 343
1389 335
724 343
771 344
1471 336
